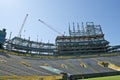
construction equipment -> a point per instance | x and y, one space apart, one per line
50 27
19 34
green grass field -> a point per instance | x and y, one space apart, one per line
105 78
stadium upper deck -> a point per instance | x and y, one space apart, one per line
88 39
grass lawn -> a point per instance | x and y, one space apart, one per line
105 78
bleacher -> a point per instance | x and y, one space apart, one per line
24 66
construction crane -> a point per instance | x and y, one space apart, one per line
19 34
50 27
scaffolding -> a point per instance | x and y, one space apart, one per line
28 46
89 39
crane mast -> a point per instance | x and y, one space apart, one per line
19 34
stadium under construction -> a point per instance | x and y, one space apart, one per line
87 40
83 40
84 53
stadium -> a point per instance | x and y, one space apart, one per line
83 54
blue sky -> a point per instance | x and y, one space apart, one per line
58 13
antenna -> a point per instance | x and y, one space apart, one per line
69 30
10 35
37 38
78 27
73 27
83 30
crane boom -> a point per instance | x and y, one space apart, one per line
19 34
49 26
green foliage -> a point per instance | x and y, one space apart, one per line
105 78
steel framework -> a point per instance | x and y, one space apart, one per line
26 45
89 39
